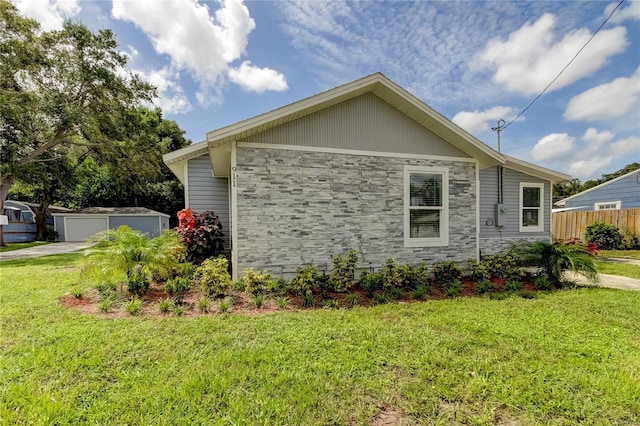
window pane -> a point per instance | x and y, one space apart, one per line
426 190
530 217
530 197
425 223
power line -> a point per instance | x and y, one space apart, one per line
566 66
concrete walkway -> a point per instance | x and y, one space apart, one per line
609 281
45 250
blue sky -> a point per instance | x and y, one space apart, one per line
219 62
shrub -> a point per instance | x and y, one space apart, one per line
380 298
513 285
352 299
478 270
129 256
138 283
503 265
134 305
414 276
342 276
282 302
307 299
370 282
165 305
306 280
421 292
445 272
556 258
201 234
629 240
77 292
256 282
526 294
225 304
484 286
258 300
214 276
177 287
395 293
331 304
107 303
390 276
179 310
278 287
452 288
606 236
542 283
203 304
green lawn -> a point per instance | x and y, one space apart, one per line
622 254
18 246
617 268
569 357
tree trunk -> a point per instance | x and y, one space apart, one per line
41 216
5 186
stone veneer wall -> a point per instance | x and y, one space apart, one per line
296 208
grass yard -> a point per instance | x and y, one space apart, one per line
622 254
18 246
617 268
566 357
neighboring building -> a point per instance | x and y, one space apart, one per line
620 193
82 224
366 166
22 223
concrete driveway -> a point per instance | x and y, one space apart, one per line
45 250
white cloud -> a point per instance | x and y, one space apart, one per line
531 57
583 169
613 99
595 153
49 13
256 79
201 44
632 11
476 122
171 97
552 147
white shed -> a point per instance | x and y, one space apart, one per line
82 224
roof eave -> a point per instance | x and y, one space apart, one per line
537 171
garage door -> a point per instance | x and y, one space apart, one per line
83 228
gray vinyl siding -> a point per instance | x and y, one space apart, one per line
492 239
206 192
364 123
625 190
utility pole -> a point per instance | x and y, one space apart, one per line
499 128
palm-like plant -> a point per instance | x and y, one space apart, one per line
125 255
556 258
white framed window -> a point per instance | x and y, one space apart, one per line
531 207
609 205
426 206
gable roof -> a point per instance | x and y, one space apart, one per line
561 203
385 89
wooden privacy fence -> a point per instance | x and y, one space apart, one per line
572 224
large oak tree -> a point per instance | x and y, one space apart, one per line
64 95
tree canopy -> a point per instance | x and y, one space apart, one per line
67 102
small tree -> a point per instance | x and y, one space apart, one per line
125 255
556 258
606 236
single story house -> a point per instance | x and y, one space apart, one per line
80 225
620 193
368 166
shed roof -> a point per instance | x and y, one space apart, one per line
124 211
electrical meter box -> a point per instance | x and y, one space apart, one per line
501 214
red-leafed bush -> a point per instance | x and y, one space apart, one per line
201 233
